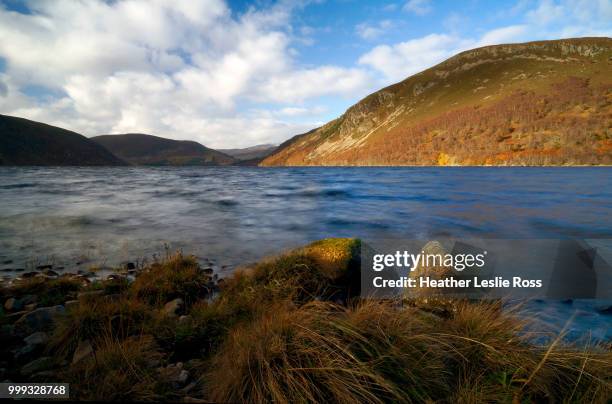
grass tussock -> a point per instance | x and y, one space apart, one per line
50 292
119 370
376 352
96 317
178 276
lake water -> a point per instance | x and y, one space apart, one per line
75 217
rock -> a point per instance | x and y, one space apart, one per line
605 310
43 267
184 319
38 338
29 275
208 270
39 319
30 307
437 270
37 365
70 304
173 307
51 273
13 304
83 350
175 374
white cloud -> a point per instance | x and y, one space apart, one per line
368 31
547 20
401 60
175 68
418 7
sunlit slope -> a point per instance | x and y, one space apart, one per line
538 103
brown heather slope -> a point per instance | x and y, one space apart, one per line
537 103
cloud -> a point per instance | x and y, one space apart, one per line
418 7
401 60
546 20
369 32
175 68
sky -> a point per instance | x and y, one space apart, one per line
239 73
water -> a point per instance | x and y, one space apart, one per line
76 217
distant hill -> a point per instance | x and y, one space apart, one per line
141 149
24 142
537 103
250 153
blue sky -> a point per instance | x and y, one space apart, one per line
239 73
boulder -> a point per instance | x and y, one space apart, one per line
83 350
173 307
13 304
37 365
38 338
39 320
436 270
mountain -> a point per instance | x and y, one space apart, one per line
24 142
249 153
141 149
536 103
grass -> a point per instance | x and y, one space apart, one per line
177 276
376 352
292 329
49 292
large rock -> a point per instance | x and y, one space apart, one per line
39 320
38 338
435 270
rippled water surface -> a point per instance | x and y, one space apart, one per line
79 217
236 215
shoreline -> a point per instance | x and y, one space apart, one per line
192 336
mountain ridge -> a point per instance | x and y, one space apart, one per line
145 149
443 115
24 142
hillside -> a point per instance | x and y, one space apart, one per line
537 103
141 149
250 153
24 142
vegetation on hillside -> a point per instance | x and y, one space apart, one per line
29 143
291 329
141 149
539 103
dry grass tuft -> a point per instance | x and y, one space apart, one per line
177 276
